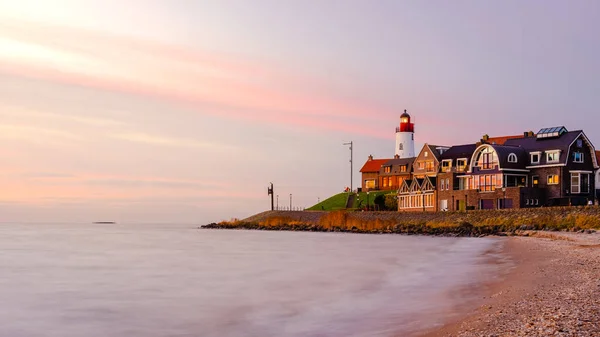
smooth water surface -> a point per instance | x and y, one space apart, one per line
121 280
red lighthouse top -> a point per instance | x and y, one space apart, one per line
405 124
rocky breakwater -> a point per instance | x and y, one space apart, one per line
472 223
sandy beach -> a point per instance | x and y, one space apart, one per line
553 290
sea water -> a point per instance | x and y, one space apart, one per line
159 280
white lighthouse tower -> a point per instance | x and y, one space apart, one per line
405 137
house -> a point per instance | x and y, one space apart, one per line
370 173
597 178
419 193
394 172
455 162
553 167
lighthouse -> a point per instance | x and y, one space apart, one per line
405 137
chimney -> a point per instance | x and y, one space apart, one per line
396 156
526 134
531 134
370 157
485 138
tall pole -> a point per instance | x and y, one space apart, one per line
277 201
270 192
290 201
351 169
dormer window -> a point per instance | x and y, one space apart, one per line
446 165
552 157
461 164
512 158
577 157
426 154
535 157
487 159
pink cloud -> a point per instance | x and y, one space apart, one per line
245 90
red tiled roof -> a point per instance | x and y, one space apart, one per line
373 165
501 140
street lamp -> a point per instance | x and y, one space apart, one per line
367 200
351 189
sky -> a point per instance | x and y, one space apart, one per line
181 111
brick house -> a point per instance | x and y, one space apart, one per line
370 173
552 167
394 171
419 193
597 178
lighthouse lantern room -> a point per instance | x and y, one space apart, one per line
405 137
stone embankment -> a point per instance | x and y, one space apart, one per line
471 223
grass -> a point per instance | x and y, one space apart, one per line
333 203
338 201
361 200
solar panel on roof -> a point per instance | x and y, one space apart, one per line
551 132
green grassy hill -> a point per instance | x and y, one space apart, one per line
335 202
338 201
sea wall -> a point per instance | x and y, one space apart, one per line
471 223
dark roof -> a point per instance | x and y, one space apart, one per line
459 151
504 151
373 165
533 144
433 149
400 161
405 114
598 161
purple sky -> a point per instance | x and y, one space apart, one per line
183 111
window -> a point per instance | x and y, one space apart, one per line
421 165
535 181
552 179
487 159
580 183
387 169
446 165
369 184
577 157
426 154
535 157
442 185
579 143
448 184
403 168
401 147
461 164
552 157
574 182
430 166
512 158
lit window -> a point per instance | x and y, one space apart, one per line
487 159
552 179
461 164
446 165
403 168
577 157
426 154
512 158
535 181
